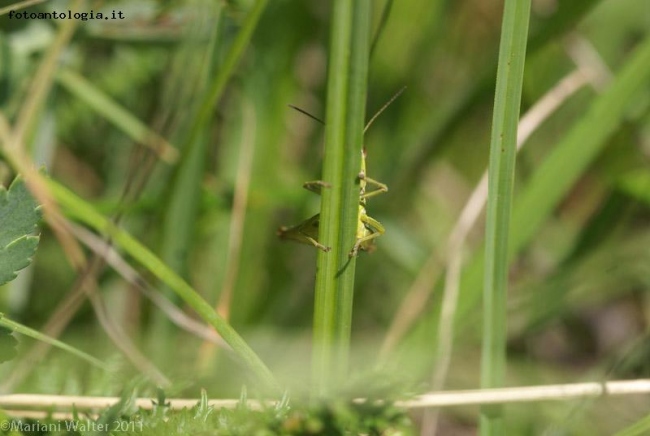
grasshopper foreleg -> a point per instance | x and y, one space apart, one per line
306 233
379 188
316 186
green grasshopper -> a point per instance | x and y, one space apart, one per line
368 228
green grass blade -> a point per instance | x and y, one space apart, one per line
85 213
340 203
24 330
503 150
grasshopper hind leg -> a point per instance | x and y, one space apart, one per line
369 229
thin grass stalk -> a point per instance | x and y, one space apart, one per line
347 79
515 395
503 149
24 330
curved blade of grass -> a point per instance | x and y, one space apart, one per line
85 213
24 330
347 81
503 150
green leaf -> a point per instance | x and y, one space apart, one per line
7 345
19 215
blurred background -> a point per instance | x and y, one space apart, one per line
579 284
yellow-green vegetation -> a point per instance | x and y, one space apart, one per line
163 156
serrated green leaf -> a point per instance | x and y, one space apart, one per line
19 215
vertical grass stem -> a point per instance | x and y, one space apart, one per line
503 148
347 81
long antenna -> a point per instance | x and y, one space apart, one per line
374 117
383 108
304 112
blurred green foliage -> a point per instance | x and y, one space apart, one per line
579 306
